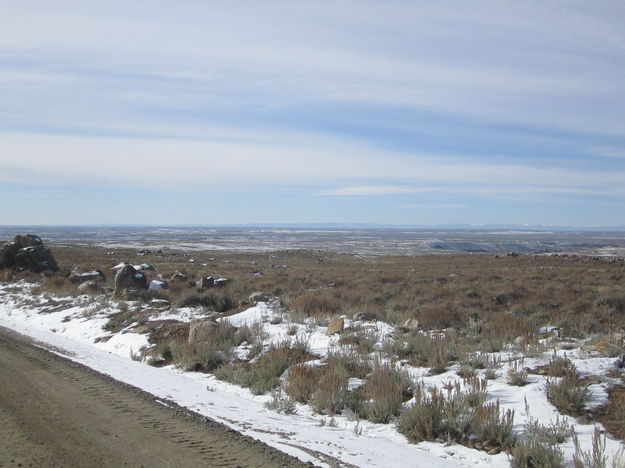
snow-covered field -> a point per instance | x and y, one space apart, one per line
76 331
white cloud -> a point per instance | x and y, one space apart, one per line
550 65
279 159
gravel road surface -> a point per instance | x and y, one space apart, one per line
56 413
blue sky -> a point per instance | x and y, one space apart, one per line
401 112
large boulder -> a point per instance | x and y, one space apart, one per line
128 277
27 252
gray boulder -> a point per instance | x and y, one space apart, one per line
129 278
221 282
206 282
158 285
27 252
178 277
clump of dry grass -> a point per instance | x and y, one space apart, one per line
450 416
211 300
263 374
314 304
384 392
568 394
517 374
560 366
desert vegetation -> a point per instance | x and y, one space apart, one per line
469 321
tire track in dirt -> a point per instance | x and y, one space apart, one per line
54 412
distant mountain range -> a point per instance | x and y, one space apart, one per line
467 227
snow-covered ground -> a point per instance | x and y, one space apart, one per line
77 333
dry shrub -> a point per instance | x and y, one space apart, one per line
533 452
354 364
264 374
594 458
568 394
313 304
560 366
197 357
302 382
507 326
436 317
385 390
438 358
449 416
361 339
518 375
330 396
211 300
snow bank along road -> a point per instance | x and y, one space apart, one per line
54 412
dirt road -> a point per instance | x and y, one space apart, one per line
55 413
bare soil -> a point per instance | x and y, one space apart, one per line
54 412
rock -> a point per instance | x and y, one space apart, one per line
259 296
37 258
335 326
90 286
7 254
158 285
221 282
519 341
79 278
27 252
199 329
411 325
28 240
207 282
128 277
144 252
365 316
160 303
178 277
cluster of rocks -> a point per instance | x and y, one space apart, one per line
26 252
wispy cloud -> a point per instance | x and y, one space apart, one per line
378 100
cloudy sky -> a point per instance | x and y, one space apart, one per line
228 112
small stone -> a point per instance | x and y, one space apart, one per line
336 326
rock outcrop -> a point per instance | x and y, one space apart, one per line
27 252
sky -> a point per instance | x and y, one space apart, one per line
234 112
